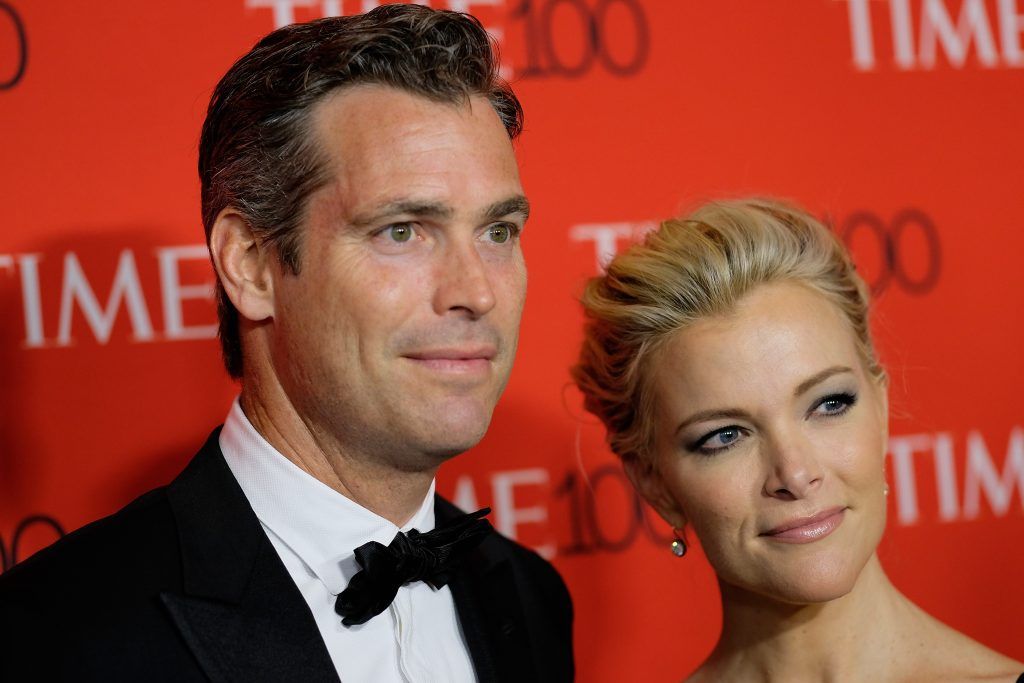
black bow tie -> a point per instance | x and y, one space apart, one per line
429 557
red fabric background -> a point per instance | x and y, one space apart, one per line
635 110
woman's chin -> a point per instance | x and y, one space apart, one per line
809 584
814 593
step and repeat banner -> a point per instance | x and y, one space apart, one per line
898 121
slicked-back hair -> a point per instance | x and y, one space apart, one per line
257 153
692 268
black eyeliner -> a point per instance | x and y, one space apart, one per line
847 398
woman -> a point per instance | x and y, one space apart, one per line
730 359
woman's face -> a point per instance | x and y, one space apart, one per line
770 439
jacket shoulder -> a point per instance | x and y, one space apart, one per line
137 545
89 604
137 541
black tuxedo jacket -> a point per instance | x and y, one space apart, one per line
183 585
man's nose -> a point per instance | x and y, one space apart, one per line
464 282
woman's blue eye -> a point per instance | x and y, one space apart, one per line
726 437
835 404
718 440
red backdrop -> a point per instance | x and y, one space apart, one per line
898 120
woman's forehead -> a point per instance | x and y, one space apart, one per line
778 334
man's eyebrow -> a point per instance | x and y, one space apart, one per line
407 207
518 204
820 377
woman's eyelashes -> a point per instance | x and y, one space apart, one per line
721 439
833 405
724 438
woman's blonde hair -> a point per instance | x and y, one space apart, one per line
692 268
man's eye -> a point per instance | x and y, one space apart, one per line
501 233
399 232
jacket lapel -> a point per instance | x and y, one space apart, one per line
488 603
240 612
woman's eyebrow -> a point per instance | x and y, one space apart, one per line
712 414
720 413
817 378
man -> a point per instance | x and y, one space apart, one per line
363 209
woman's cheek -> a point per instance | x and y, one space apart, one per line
860 457
712 502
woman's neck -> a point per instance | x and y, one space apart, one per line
854 637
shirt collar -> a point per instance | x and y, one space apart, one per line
321 526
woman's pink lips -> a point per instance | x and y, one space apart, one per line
808 529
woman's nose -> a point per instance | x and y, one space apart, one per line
794 469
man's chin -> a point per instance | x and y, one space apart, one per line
429 454
447 437
455 442
441 428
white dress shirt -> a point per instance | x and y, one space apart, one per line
315 530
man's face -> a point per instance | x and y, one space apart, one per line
396 338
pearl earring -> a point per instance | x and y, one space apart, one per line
679 543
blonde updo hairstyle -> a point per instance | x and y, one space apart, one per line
692 268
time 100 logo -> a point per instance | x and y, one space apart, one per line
571 38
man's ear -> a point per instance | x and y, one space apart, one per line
648 482
243 266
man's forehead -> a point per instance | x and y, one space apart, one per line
389 153
366 108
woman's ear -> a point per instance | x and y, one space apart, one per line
647 480
243 265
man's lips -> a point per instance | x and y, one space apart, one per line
454 353
807 529
462 359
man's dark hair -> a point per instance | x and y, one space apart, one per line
257 153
